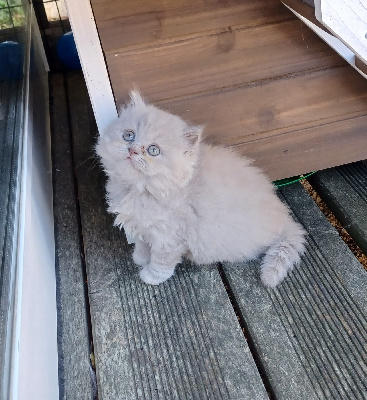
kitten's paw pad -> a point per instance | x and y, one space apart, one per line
154 277
140 259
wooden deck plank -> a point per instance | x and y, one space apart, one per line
180 340
227 59
137 23
73 340
344 189
311 332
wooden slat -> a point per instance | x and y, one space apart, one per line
344 189
310 149
277 106
179 340
310 332
218 61
75 378
298 114
140 22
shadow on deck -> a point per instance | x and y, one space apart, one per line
207 333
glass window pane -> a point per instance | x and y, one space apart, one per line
17 14
5 19
14 3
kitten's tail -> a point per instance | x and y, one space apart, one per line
283 254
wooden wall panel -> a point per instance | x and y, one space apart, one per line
257 76
309 149
218 61
276 107
265 121
128 23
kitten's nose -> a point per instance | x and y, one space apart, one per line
132 151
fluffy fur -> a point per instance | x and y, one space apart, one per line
192 200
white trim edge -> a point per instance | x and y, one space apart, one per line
332 41
92 61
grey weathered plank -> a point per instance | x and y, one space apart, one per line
73 341
180 340
344 189
311 332
10 133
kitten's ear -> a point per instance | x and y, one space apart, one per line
193 135
136 100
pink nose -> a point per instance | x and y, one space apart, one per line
132 151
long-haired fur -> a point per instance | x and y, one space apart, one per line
191 200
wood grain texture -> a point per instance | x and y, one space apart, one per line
344 189
223 60
179 340
140 22
303 122
263 82
311 331
310 149
274 107
73 340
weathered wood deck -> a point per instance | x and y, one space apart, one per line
207 333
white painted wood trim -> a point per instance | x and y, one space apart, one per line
92 61
332 41
347 20
318 10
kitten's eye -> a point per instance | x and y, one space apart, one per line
153 150
128 135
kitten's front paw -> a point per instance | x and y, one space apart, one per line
141 254
140 259
153 276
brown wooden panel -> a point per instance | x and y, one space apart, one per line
275 107
266 121
129 23
309 149
222 60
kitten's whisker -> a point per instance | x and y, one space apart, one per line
92 166
95 157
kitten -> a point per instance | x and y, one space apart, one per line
177 197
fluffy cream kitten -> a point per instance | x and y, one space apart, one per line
177 197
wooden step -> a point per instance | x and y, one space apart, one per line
344 189
255 74
140 23
299 123
179 340
311 332
214 62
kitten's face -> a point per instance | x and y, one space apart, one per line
149 146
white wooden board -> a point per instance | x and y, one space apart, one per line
347 20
